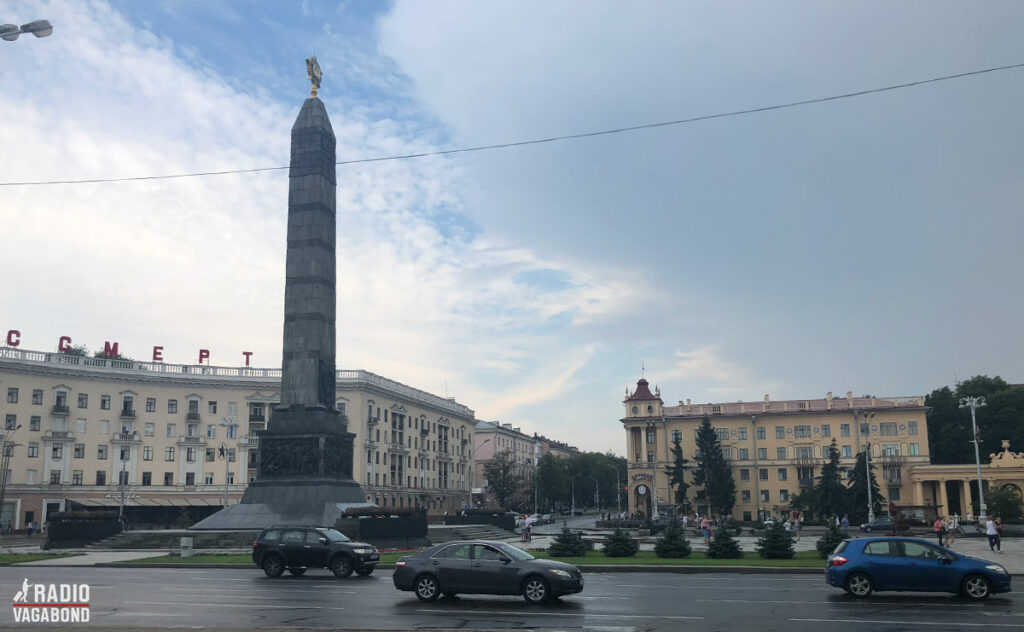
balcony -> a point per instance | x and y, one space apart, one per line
889 460
250 442
127 413
60 409
372 421
191 441
805 482
125 437
257 417
424 431
192 417
58 435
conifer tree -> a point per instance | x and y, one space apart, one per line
857 494
776 543
677 474
672 543
619 544
713 471
567 544
830 493
724 546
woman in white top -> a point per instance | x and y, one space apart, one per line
950 532
993 536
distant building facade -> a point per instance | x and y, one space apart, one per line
493 438
98 432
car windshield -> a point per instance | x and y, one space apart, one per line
515 553
334 536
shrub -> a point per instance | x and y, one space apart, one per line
567 544
672 543
724 546
619 544
776 544
828 542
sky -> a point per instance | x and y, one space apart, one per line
869 244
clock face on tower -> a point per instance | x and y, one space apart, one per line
641 490
636 409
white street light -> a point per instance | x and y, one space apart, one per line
974 403
39 28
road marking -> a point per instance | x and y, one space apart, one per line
848 603
945 624
469 614
231 605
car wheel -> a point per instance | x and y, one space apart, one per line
535 590
363 572
297 571
273 566
976 587
341 567
859 585
426 588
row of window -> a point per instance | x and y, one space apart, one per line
414 442
102 451
412 482
885 429
127 402
56 478
81 425
801 452
766 496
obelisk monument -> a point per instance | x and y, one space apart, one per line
305 454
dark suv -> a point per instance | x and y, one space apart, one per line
301 548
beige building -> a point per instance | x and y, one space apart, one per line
776 448
76 428
493 438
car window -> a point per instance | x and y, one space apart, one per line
482 552
879 547
313 537
842 547
292 537
457 551
273 534
334 535
920 551
515 553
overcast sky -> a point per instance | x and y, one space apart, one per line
871 244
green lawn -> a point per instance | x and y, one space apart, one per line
16 558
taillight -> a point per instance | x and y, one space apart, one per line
838 560
399 563
254 544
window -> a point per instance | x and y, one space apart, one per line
232 432
128 405
802 431
888 428
765 496
104 402
33 450
147 479
190 478
190 455
745 496
677 435
844 430
650 457
37 397
168 479
101 478
864 429
211 455
150 429
122 477
912 427
744 454
890 449
211 431
104 427
76 477
231 455
83 400
193 406
783 495
894 493
744 475
805 452
915 449
847 451
782 474
80 425
32 477
742 432
147 453
172 430
722 434
763 473
232 409
172 406
12 395
652 435
79 450
208 479
150 404
101 452
34 423
11 422
762 453
231 478
212 407
780 453
761 432
826 430
169 454
878 548
57 451
780 432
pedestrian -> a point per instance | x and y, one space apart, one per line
999 532
939 528
951 532
844 525
705 529
685 519
788 526
798 524
993 535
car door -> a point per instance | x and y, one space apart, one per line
493 572
925 569
317 548
453 565
883 562
292 547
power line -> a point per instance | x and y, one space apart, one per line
538 141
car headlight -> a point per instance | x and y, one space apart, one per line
363 551
996 567
559 572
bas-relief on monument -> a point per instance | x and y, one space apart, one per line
305 454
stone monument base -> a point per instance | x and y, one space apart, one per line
257 516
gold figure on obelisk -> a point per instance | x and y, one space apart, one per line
315 75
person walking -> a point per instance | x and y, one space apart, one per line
999 533
951 532
993 535
705 528
940 528
844 525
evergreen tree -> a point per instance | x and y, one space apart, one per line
857 493
672 543
504 477
724 546
830 493
567 544
776 543
713 471
828 542
677 474
619 544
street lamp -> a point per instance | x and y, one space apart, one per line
39 28
230 425
974 403
472 470
5 462
867 464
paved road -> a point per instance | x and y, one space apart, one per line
215 598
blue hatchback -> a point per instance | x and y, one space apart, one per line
867 564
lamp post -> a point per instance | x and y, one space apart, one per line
7 452
867 462
39 28
472 470
974 403
230 425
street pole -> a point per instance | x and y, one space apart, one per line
867 468
121 480
228 423
974 403
618 493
